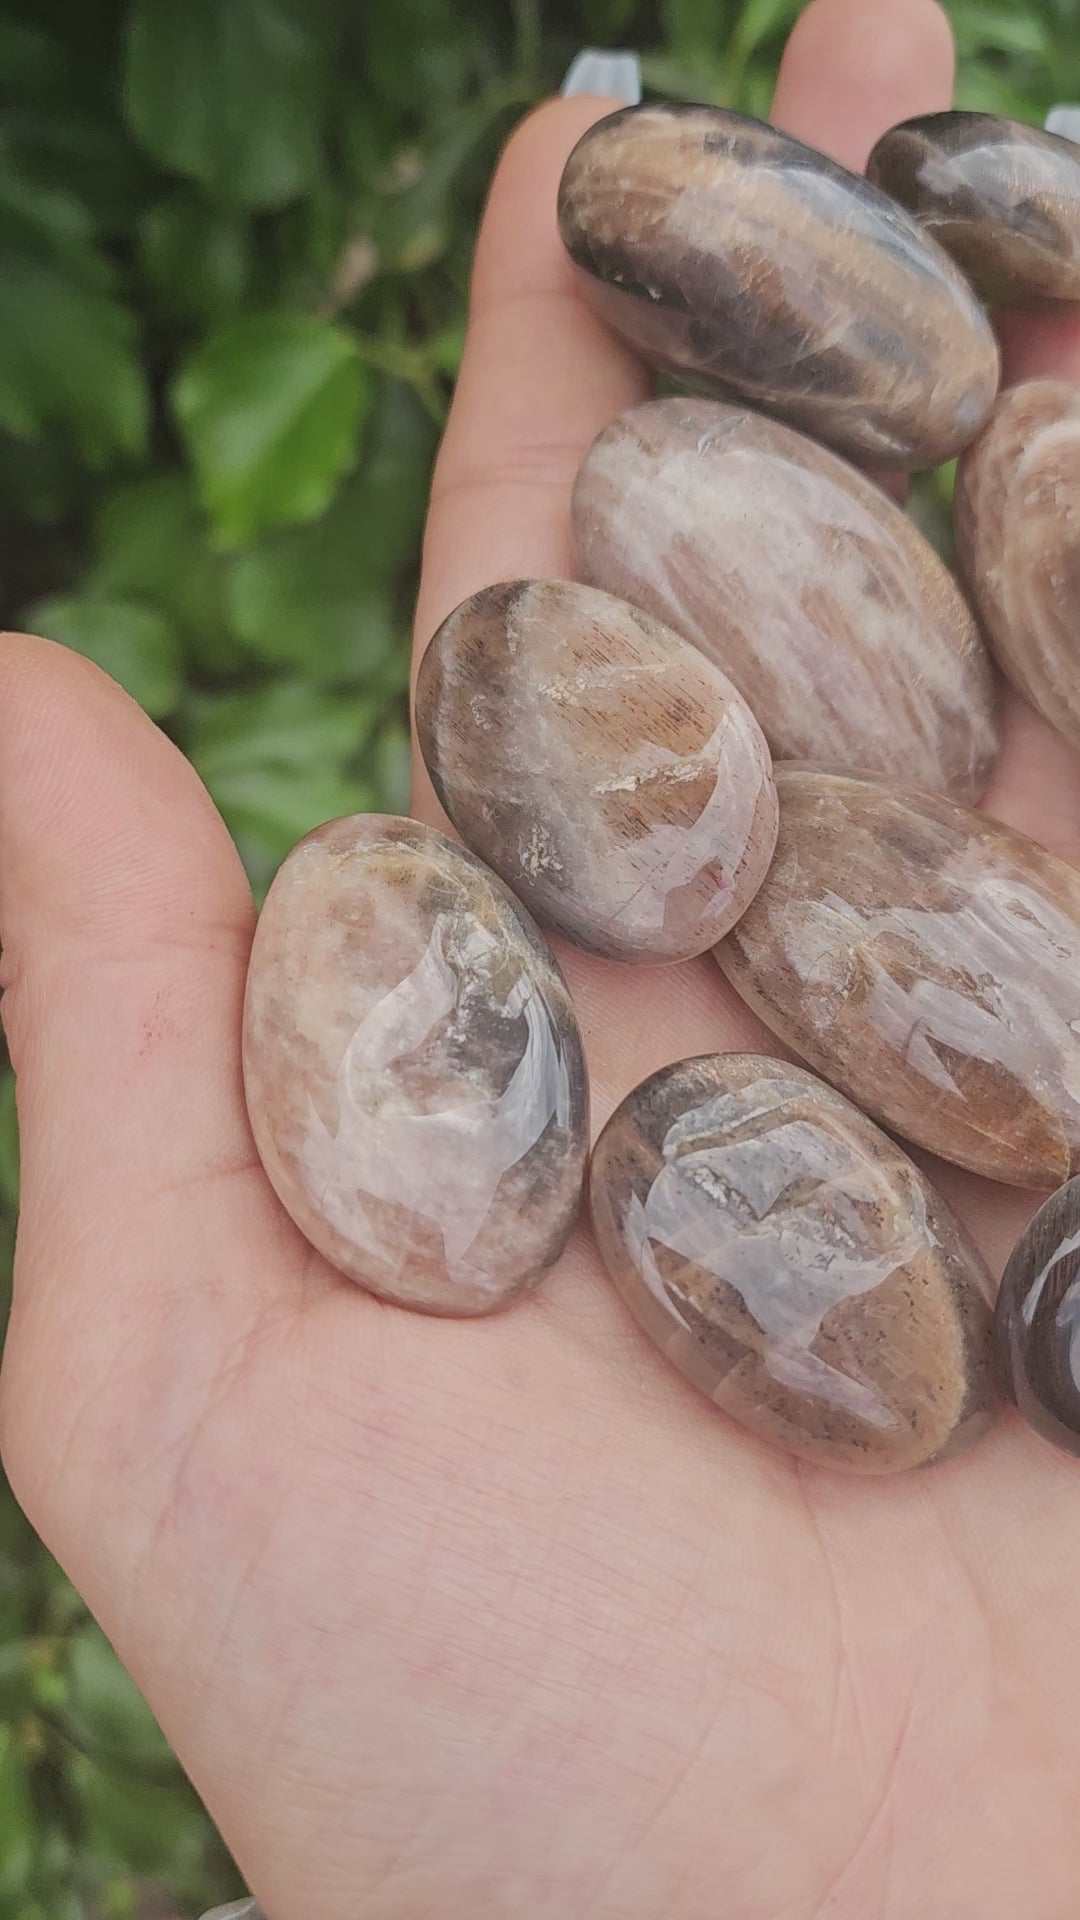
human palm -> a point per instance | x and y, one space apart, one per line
493 1619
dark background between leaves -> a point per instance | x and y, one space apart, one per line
234 246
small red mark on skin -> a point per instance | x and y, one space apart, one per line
156 1026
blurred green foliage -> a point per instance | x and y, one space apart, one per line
234 246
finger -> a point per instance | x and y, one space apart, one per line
1039 346
853 68
125 921
540 377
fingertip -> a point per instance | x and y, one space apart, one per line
104 824
854 68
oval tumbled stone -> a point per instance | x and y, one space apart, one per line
609 773
732 255
1038 1320
1002 198
794 1265
802 580
926 960
413 1068
1018 539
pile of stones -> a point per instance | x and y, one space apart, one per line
757 724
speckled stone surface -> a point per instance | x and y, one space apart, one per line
1038 1320
794 1265
926 960
1001 197
413 1067
1018 540
610 773
802 580
733 256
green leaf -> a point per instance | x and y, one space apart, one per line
68 355
16 1818
18 1659
411 219
982 28
422 58
691 27
69 144
757 22
320 598
270 408
196 257
9 1140
231 93
153 546
133 643
136 1825
695 80
279 763
392 765
105 1712
16 1595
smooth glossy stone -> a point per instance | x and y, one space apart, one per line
413 1067
1001 197
732 255
802 580
1018 538
794 1265
1038 1320
609 773
926 960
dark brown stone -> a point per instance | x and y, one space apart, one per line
607 770
733 256
794 1265
926 960
1038 1320
1002 198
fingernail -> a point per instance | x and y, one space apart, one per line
1064 120
240 1910
615 76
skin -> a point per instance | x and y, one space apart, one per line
495 1621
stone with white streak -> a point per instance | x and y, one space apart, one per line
607 770
413 1068
1018 538
926 960
794 1264
803 581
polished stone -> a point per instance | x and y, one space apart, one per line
802 580
1001 197
1038 1320
609 773
795 1265
1018 539
926 960
738 259
413 1068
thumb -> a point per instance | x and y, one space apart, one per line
125 924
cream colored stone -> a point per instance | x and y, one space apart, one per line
413 1068
802 580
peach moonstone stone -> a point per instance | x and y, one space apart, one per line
413 1068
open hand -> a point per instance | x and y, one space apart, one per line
494 1620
